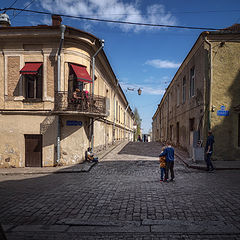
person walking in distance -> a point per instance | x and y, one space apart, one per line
209 151
168 152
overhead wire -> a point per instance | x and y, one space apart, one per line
21 10
11 5
110 21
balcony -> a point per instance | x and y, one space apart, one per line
93 105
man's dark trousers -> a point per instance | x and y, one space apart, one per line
209 162
169 166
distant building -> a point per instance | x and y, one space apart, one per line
204 94
44 121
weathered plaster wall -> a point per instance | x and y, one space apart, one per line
74 140
12 142
226 92
48 128
1 81
13 74
51 75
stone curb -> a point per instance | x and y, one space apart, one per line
54 171
148 226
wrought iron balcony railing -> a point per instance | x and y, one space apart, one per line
65 101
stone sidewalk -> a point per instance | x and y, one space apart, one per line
76 168
201 165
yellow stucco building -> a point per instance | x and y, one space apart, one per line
43 121
204 94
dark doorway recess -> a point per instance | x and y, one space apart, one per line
33 150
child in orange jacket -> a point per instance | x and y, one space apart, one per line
162 166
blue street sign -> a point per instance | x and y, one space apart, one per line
223 112
74 123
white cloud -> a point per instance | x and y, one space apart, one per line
153 80
47 21
155 90
117 10
158 63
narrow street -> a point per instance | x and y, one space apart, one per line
122 198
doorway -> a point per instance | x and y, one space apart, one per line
33 150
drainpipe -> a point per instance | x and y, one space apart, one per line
114 113
125 121
93 78
210 85
63 28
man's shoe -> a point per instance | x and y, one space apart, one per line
172 179
161 180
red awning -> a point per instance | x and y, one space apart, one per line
81 73
31 68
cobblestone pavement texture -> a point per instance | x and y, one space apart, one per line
122 198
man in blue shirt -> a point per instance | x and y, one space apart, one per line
169 154
209 151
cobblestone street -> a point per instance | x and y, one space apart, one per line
122 198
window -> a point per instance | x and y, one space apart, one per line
177 130
171 132
192 82
32 79
78 77
33 86
184 90
119 117
191 124
116 110
178 95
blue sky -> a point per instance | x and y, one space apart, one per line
141 57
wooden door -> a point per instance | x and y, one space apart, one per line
33 150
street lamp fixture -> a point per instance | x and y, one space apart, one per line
139 91
133 89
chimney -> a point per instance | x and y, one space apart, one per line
56 20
